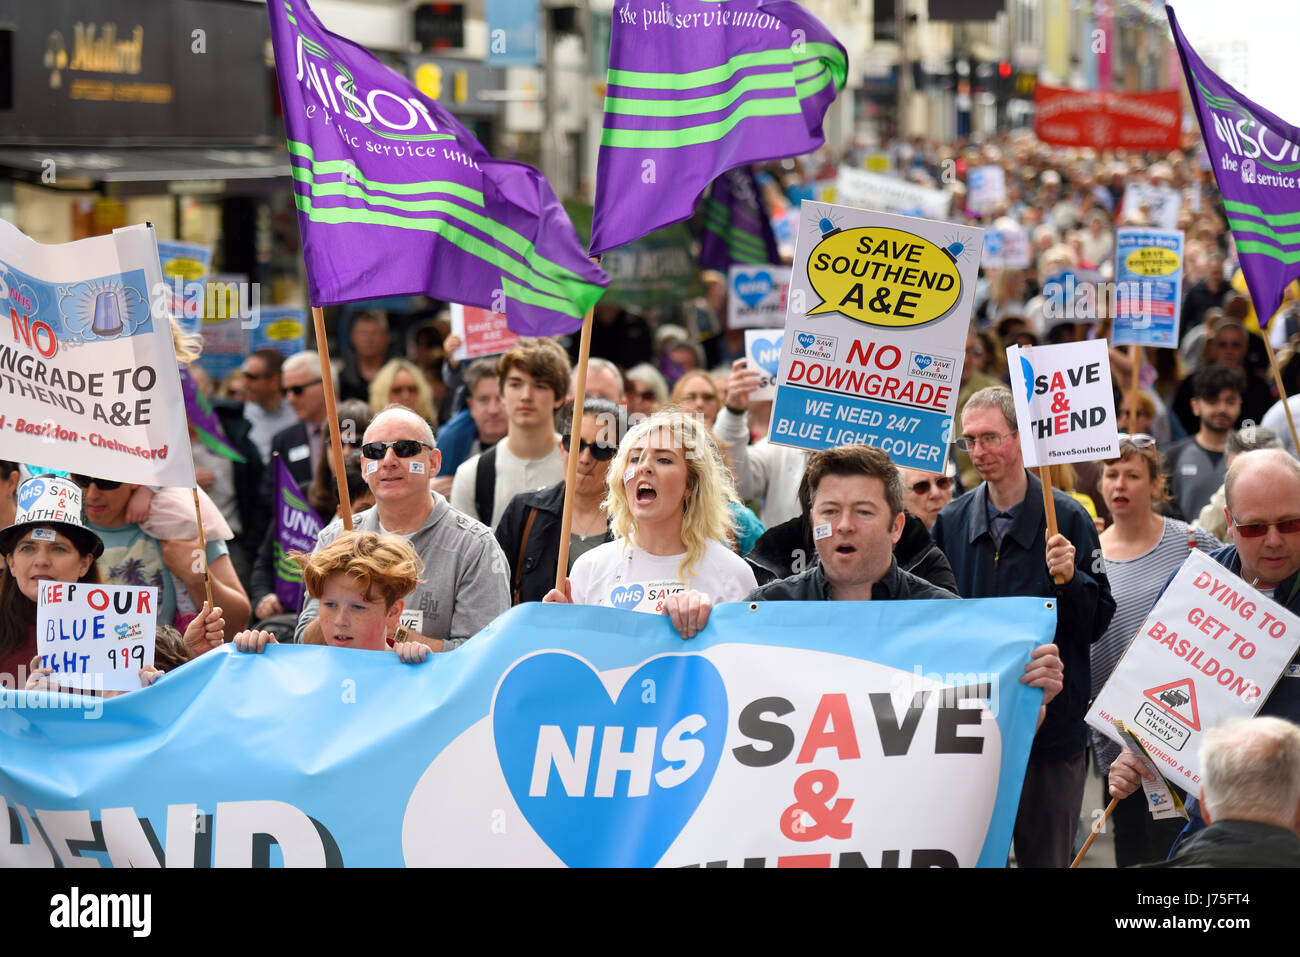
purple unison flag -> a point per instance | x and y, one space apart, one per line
1256 162
736 225
396 198
206 424
698 88
296 528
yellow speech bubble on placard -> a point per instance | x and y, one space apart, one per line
883 276
1153 261
187 269
283 330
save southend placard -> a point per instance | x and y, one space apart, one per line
88 374
875 333
1064 405
560 735
1211 650
1149 287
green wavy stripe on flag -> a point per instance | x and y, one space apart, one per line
294 500
1229 105
835 61
711 132
217 446
1273 219
1250 226
545 268
741 242
1263 249
566 294
342 167
709 104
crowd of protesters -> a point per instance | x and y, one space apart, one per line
456 475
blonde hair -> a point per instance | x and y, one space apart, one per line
382 385
382 564
709 486
187 345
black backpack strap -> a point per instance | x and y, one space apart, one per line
485 484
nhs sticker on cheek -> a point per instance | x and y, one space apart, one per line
417 467
821 531
372 467
627 475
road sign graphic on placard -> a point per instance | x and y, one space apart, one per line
1176 697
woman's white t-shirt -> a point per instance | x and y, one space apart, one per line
636 580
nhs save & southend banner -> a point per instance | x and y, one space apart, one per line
890 734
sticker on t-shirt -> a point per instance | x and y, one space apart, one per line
1187 468
1293 670
647 597
413 618
299 452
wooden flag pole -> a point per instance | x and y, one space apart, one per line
1281 389
1136 356
1049 507
1096 829
203 547
332 416
575 448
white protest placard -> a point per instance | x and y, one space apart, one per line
889 194
1005 249
763 350
1210 651
481 333
986 187
756 296
1163 204
89 379
875 333
1064 404
96 636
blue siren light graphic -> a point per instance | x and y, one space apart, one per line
108 315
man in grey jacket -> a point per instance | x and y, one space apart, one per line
465 583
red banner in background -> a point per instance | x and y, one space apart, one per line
1107 120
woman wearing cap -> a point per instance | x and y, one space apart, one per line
529 530
1142 549
54 547
667 504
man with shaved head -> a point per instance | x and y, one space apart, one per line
1263 513
463 584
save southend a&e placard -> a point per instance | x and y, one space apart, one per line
1211 650
875 333
1149 287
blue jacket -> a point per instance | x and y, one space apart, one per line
1085 605
455 439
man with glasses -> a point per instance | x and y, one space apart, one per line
133 557
264 406
1263 514
995 537
301 444
463 584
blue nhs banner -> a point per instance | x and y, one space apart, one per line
558 736
512 32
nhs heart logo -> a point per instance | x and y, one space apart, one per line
627 596
753 289
922 362
29 493
806 339
587 771
767 353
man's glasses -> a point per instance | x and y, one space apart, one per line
1259 529
404 448
942 483
255 376
645 395
988 440
85 481
1139 440
600 451
700 397
298 390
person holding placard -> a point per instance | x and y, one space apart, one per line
667 502
996 541
1142 549
1263 511
47 541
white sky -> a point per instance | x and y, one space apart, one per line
1269 29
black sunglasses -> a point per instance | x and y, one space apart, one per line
85 481
404 448
923 487
298 389
600 451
